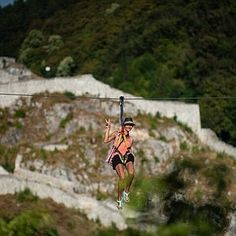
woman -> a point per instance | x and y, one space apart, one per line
121 158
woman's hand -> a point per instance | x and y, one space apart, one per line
109 137
108 123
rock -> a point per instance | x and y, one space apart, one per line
232 225
38 164
90 155
6 62
55 115
173 133
5 78
11 137
55 147
71 127
3 171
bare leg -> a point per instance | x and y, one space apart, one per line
130 169
121 182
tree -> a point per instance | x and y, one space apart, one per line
34 39
55 42
66 67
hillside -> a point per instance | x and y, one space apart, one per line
24 213
155 49
180 185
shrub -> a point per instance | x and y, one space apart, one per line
184 146
34 39
43 154
8 166
66 67
179 229
20 113
3 227
7 157
29 223
70 95
188 163
218 176
26 195
55 42
113 8
64 121
25 55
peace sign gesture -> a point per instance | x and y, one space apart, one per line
108 123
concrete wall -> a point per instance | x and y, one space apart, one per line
86 84
188 114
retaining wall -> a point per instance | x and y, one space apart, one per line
188 114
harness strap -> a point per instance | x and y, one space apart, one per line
120 138
124 158
114 147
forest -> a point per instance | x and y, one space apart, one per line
181 50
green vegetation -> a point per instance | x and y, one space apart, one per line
4 124
20 113
151 122
185 217
43 154
154 49
219 175
64 121
8 121
112 231
28 223
183 146
7 157
26 195
66 67
70 95
188 163
33 216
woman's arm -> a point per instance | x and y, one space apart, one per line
107 136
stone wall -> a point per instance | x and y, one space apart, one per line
86 84
188 114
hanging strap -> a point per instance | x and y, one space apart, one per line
121 110
120 136
115 146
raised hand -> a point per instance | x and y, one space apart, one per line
108 123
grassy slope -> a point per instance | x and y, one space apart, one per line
65 221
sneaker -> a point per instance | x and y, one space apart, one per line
125 196
119 204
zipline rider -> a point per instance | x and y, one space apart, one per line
120 157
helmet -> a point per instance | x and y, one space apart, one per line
128 121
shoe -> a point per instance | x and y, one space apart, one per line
119 204
125 196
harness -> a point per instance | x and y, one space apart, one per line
120 138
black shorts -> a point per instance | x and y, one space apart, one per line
117 160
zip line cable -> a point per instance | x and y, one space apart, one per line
115 98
